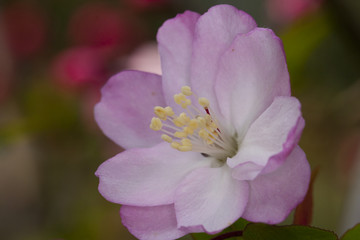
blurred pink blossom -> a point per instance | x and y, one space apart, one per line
99 25
145 58
25 28
283 11
79 67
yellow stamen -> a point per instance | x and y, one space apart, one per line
156 124
186 142
179 98
183 118
185 103
201 121
204 102
180 134
160 112
184 148
178 123
175 145
203 134
188 130
169 112
166 138
186 90
193 124
195 129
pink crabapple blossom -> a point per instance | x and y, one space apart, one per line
223 135
98 24
145 58
79 67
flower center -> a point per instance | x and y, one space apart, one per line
194 129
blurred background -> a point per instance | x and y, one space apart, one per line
55 56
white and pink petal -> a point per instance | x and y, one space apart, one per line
152 223
274 133
126 108
175 38
210 198
274 195
214 33
251 73
146 176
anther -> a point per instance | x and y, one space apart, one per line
204 102
186 90
179 98
160 112
183 118
156 124
201 121
193 124
180 134
186 142
185 103
188 130
169 112
166 138
203 134
175 145
178 123
184 148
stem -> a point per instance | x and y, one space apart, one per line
228 235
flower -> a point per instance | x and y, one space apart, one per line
145 58
226 130
79 67
110 27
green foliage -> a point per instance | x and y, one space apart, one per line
301 40
237 226
47 109
352 234
261 231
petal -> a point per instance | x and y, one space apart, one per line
275 133
246 171
126 108
251 73
293 138
152 223
274 195
215 31
175 39
211 198
147 176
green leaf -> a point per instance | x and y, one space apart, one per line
352 234
239 225
301 40
261 231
